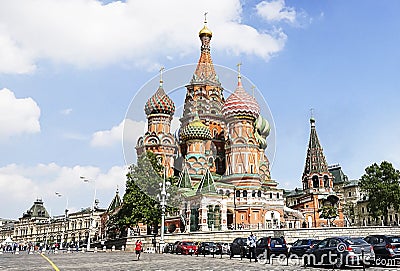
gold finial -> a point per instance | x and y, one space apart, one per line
205 31
161 72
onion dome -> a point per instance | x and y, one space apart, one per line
205 32
195 130
262 126
240 103
159 103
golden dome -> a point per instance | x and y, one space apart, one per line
205 31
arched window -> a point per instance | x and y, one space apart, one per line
326 181
259 193
245 193
315 181
238 193
253 193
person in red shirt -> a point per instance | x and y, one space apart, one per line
138 248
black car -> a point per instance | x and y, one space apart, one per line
386 247
271 246
300 247
340 251
239 247
207 248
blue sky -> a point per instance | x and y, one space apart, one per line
69 70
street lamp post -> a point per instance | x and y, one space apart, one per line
65 217
91 211
163 198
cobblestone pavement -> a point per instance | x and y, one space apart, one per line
126 261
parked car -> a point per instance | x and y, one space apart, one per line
174 246
300 247
340 251
168 247
207 248
271 246
186 247
239 247
223 248
385 247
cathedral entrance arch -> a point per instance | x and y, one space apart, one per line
214 217
194 218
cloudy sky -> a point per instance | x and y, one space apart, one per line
70 69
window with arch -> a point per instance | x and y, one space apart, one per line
315 181
238 193
326 181
245 193
259 193
253 193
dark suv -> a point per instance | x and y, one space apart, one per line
385 247
272 246
239 247
300 247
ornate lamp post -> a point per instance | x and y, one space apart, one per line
64 219
91 226
163 200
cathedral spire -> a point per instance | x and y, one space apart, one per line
315 161
205 72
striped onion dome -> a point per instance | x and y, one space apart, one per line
195 130
240 103
160 103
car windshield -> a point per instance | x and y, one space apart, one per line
394 239
187 244
356 241
277 241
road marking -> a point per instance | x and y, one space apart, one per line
52 264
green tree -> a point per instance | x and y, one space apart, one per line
329 212
140 201
381 184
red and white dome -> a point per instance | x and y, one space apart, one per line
240 103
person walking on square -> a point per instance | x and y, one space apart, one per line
251 242
138 248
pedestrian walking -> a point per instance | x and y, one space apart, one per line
138 248
251 243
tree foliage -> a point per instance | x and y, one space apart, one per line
328 212
140 202
381 184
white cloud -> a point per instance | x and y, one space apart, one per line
129 129
275 11
89 34
17 116
20 186
66 111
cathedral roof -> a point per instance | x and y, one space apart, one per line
315 160
195 130
160 103
37 210
115 203
240 103
184 179
205 72
206 184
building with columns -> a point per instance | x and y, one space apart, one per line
218 153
